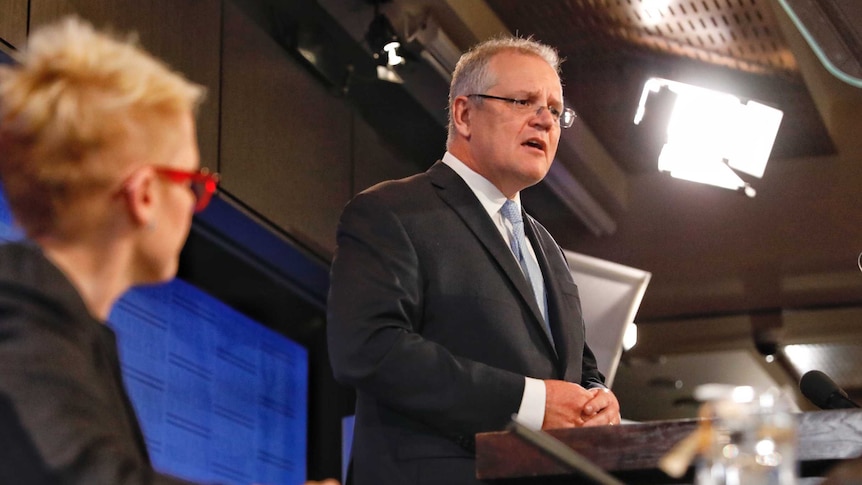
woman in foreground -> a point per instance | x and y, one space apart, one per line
99 160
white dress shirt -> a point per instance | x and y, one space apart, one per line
532 410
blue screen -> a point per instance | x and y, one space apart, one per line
221 398
8 232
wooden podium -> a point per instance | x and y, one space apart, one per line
631 451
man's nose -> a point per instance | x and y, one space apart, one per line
544 117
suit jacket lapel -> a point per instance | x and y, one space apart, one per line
457 194
543 248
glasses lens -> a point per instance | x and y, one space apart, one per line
204 186
568 118
202 183
197 187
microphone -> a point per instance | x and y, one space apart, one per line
823 392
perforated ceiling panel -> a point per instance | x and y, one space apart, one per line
735 33
612 47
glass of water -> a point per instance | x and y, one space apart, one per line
753 439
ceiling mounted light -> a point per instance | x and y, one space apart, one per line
392 56
386 47
630 336
712 135
651 13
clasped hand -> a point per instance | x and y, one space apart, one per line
569 405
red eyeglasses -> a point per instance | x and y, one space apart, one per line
202 182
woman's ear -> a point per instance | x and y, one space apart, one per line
461 116
139 195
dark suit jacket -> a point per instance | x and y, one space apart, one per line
433 323
63 400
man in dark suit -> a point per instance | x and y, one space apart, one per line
450 309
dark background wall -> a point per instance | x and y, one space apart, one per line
292 148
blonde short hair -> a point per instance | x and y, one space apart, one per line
73 94
472 76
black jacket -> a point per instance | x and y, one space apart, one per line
61 390
431 320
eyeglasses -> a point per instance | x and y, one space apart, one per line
565 118
202 182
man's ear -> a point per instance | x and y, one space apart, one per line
139 195
462 113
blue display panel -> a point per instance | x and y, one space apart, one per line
220 397
8 232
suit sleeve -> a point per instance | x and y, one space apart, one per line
591 377
375 316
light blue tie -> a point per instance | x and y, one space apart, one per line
531 270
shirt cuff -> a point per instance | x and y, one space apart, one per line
532 411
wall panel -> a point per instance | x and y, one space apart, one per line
286 141
375 160
13 22
184 33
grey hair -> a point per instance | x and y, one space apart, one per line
472 75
